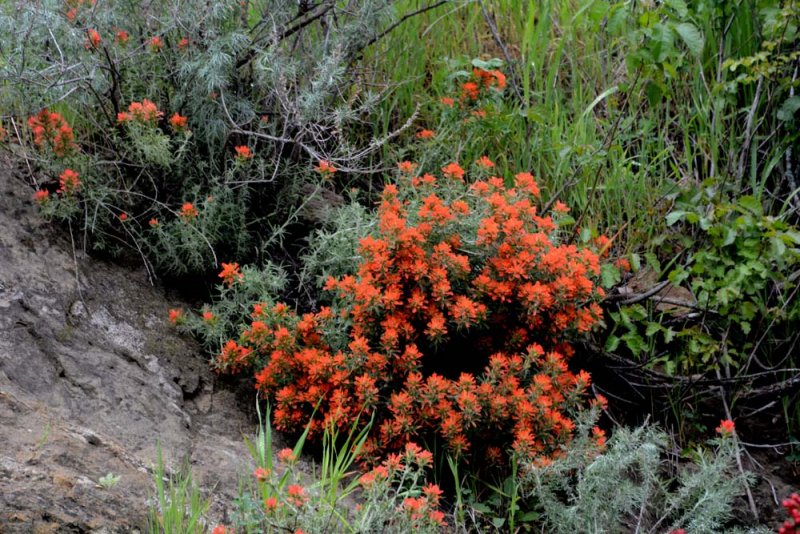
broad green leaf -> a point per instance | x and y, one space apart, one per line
789 108
691 37
675 216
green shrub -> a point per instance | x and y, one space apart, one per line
218 104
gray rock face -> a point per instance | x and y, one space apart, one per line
91 380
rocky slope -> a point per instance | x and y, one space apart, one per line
91 379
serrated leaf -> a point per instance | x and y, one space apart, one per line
679 6
691 37
652 328
612 344
789 108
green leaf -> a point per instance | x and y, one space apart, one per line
652 328
609 275
691 37
751 203
612 344
679 6
674 217
789 108
498 522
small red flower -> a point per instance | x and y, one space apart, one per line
93 39
69 182
243 152
208 316
122 37
153 223
183 44
286 455
261 474
726 427
560 207
41 196
178 122
188 211
447 101
406 167
485 162
230 273
426 134
453 170
123 216
176 316
325 168
270 505
220 529
155 43
297 495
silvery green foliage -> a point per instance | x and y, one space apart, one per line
333 249
276 76
632 487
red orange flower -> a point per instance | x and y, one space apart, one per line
155 43
188 211
178 122
122 37
41 196
93 39
325 168
453 170
726 427
69 182
176 316
231 273
426 134
243 153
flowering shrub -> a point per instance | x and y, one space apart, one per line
169 107
454 325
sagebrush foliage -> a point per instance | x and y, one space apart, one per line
160 98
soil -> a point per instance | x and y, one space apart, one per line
92 380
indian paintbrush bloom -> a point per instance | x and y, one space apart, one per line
69 182
230 273
156 44
178 122
188 211
93 39
325 168
243 153
726 427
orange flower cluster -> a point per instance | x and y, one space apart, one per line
179 123
93 39
188 211
144 112
69 182
421 510
156 44
49 128
474 92
447 326
243 152
230 273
